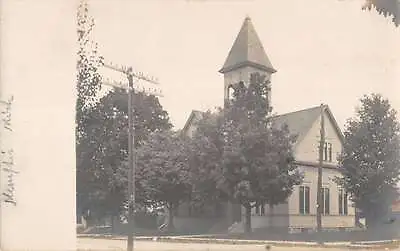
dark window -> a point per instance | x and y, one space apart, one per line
304 200
340 201
327 152
260 210
343 197
325 201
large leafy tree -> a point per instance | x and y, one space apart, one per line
206 146
370 162
259 164
89 60
88 87
104 150
257 158
163 168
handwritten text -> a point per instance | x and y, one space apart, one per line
6 113
7 156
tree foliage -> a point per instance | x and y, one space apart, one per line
257 158
163 170
370 161
207 146
88 86
102 129
89 60
104 149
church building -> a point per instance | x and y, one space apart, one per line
248 56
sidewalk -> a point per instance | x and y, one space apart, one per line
389 244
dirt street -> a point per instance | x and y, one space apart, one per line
114 245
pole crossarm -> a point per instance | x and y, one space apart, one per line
125 86
129 72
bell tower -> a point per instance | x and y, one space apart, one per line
246 56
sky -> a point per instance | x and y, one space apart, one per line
327 51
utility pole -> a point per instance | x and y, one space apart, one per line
320 166
131 75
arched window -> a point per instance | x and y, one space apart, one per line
231 90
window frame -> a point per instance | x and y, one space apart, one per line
343 198
259 210
327 153
304 200
330 152
326 201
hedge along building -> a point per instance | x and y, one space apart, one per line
248 56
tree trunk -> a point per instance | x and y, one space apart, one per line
271 216
114 223
229 213
170 225
371 219
84 222
247 225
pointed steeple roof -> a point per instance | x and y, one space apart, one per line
247 50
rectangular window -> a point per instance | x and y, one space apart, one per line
304 200
343 197
327 152
260 209
325 201
330 152
340 201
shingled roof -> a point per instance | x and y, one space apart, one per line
299 122
247 50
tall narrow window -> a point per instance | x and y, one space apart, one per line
340 201
307 204
301 200
330 152
327 152
343 208
325 201
231 91
304 200
262 209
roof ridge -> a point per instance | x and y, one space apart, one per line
301 110
283 114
